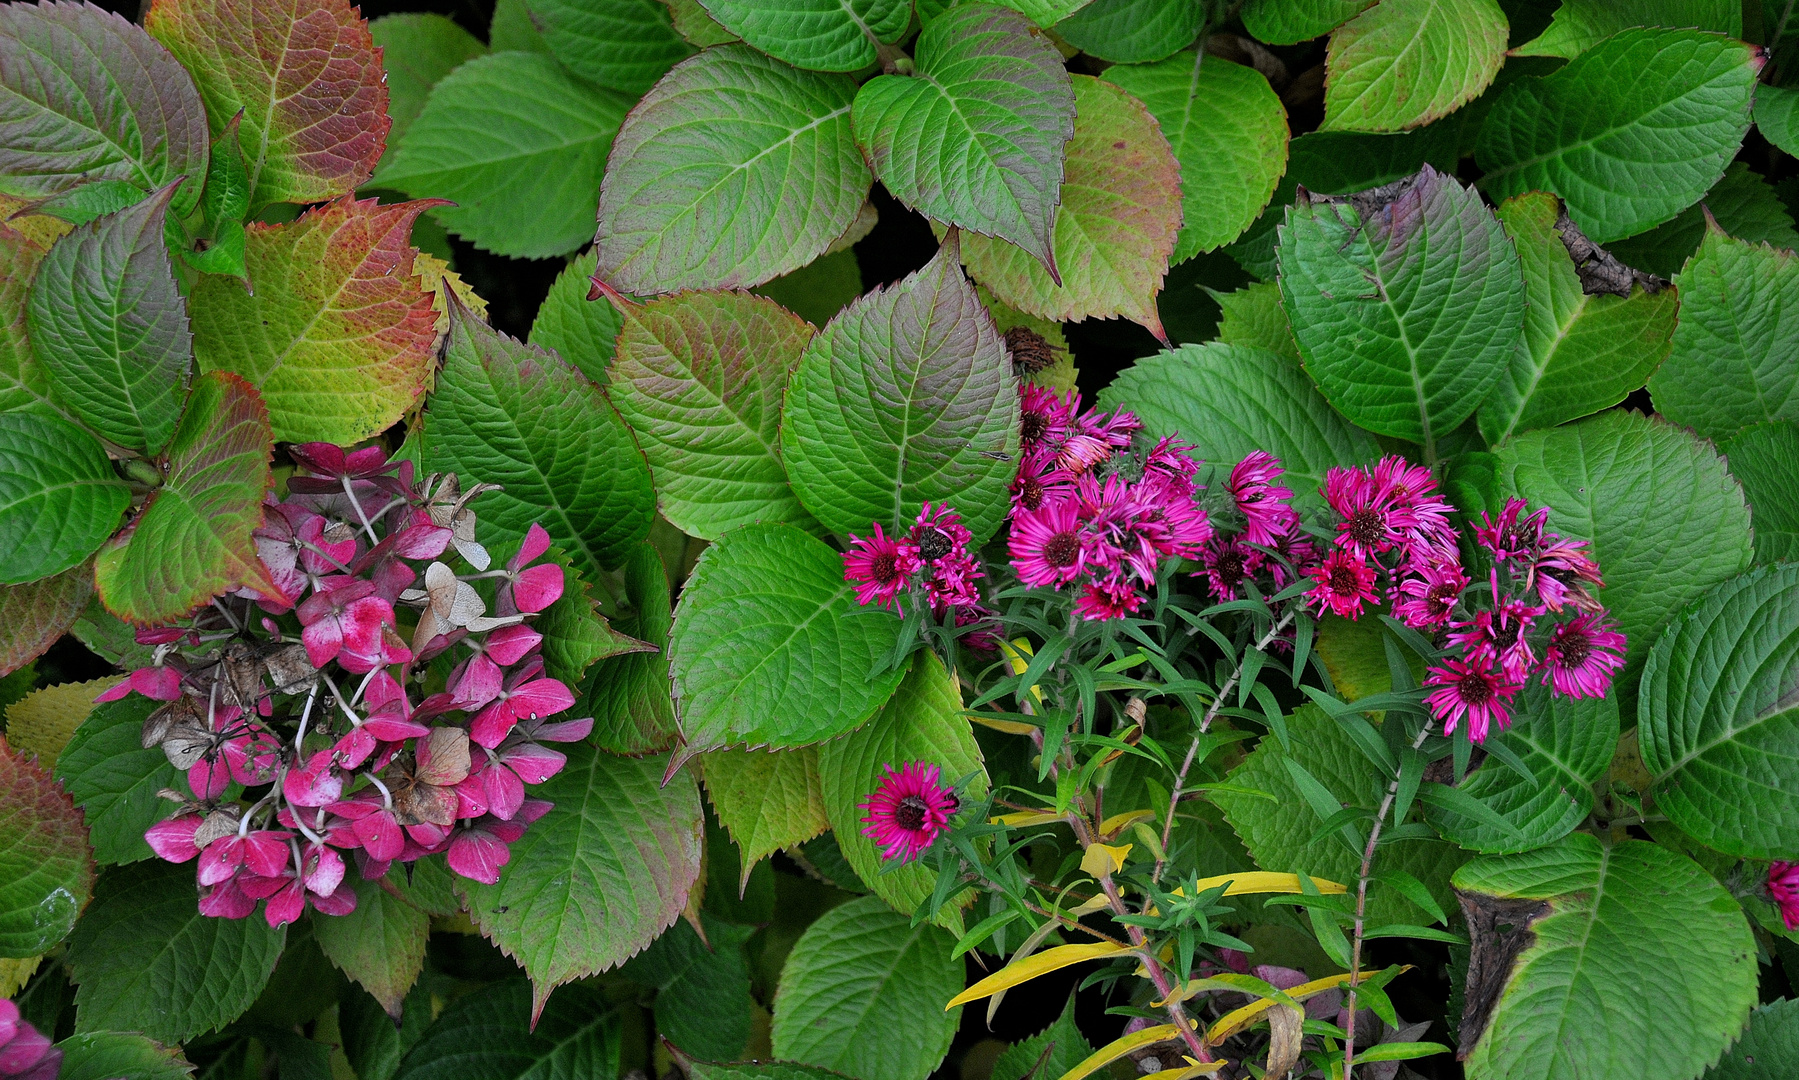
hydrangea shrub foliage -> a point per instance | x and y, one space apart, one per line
768 656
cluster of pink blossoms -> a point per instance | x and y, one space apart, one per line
298 690
1534 614
25 1052
1088 508
930 561
1783 889
1268 547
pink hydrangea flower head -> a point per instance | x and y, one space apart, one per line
907 811
1473 692
25 1052
1262 502
351 625
880 566
1343 583
1783 889
1581 656
1046 544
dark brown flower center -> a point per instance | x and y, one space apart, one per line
1344 581
1443 595
1035 427
1030 494
1367 527
1574 648
1229 567
885 568
910 813
1475 689
1030 350
933 543
1062 549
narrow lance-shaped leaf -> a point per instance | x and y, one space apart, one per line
59 496
191 541
1407 302
307 77
46 870
110 326
823 35
93 97
769 646
733 170
339 335
1116 226
1403 63
906 397
976 138
700 378
598 877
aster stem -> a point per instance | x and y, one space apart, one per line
1361 907
1218 700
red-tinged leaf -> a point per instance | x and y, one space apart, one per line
340 334
1116 228
308 78
92 97
35 614
46 870
23 382
192 540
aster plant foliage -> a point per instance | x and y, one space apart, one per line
1189 538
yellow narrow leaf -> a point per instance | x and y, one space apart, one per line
1032 966
1104 860
1262 881
1010 727
1027 817
1119 821
1185 1072
1090 905
43 721
1117 1048
1018 651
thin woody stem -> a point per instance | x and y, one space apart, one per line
1361 909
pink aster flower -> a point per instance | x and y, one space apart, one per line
1228 563
907 810
1582 654
1473 691
1783 889
1372 520
1414 489
1262 502
1511 535
880 567
1429 595
1343 583
1045 418
1112 598
1046 546
1500 634
1562 572
1039 480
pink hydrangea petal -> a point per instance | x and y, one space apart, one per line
319 457
342 901
479 683
173 840
26 1050
534 764
323 639
471 796
392 729
478 856
208 778
220 860
325 870
544 698
286 905
421 541
491 725
536 542
505 791
114 692
381 836
315 785
157 683
266 852
355 747
227 901
563 730
509 644
537 587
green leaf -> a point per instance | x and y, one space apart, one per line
513 29
1227 129
109 326
381 945
1582 352
1407 308
703 1003
1769 1048
1404 63
490 1035
1777 115
700 376
1732 361
1717 719
1640 965
46 872
769 646
1744 205
575 634
519 145
734 170
340 335
59 496
758 1070
822 35
1666 521
114 779
907 397
863 992
819 290
1045 13
1567 744
628 696
107 1055
1231 399
597 878
1115 229
305 75
1063 1041
693 22
512 414
1133 31
143 958
1764 459
584 332
192 540
922 722
1580 131
1253 317
24 385
418 50
976 138
622 45
1283 835
1289 22
769 800
92 97
38 612
1581 24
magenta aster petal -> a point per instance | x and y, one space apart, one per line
1262 502
907 810
1343 583
1046 546
1783 889
1472 691
1581 656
